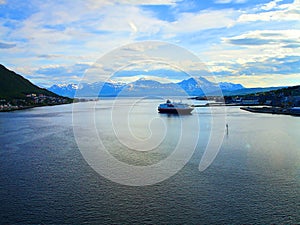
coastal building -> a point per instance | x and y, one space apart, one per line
250 102
296 100
295 110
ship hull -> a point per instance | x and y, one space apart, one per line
175 111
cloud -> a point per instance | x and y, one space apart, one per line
249 41
99 4
224 37
258 80
282 66
41 34
72 73
275 12
230 1
149 2
282 38
260 66
2 2
270 5
52 70
255 54
131 20
203 20
54 27
48 56
6 45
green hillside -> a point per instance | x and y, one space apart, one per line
13 85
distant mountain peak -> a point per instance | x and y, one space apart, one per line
193 86
73 86
144 79
230 86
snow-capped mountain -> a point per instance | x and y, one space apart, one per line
230 86
67 90
145 87
201 86
197 86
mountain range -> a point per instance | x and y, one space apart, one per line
198 86
13 86
143 87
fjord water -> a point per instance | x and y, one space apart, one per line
44 179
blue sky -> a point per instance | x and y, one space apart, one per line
252 42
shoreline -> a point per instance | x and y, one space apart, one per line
271 110
215 104
254 108
248 108
17 108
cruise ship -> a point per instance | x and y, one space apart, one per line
175 108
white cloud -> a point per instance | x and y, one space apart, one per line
271 62
97 4
129 19
149 2
285 12
270 16
270 5
215 68
269 41
206 19
259 80
230 1
83 31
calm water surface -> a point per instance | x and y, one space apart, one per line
255 178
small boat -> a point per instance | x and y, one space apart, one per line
175 108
